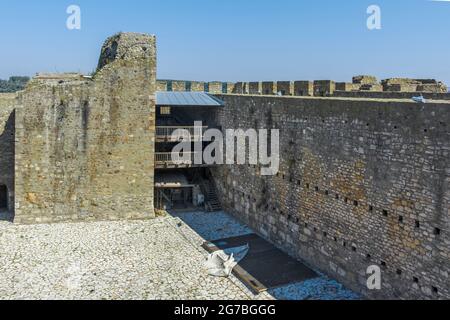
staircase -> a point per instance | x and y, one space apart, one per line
212 202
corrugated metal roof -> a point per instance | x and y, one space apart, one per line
187 99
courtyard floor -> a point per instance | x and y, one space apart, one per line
220 225
139 260
105 260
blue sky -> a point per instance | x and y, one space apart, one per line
235 39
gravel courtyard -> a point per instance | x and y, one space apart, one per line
132 260
155 259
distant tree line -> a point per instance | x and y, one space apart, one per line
13 84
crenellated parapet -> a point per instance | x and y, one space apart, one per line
363 85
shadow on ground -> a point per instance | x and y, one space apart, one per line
220 225
213 226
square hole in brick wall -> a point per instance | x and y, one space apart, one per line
400 219
355 203
435 290
383 264
385 213
415 280
437 231
417 224
399 272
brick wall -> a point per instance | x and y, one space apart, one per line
85 147
361 183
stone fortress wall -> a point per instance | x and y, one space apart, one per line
361 183
84 146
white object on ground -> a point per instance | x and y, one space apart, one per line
221 263
420 99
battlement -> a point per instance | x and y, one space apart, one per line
361 86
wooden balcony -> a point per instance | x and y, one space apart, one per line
164 133
164 160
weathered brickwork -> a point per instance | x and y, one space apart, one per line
198 86
303 88
378 94
285 88
255 87
269 87
324 88
369 87
85 147
359 86
344 86
401 87
7 137
215 87
230 87
178 85
161 85
361 183
413 85
364 79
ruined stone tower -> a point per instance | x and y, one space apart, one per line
85 145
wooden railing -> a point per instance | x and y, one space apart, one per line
165 159
165 133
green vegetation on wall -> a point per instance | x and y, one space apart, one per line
14 84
